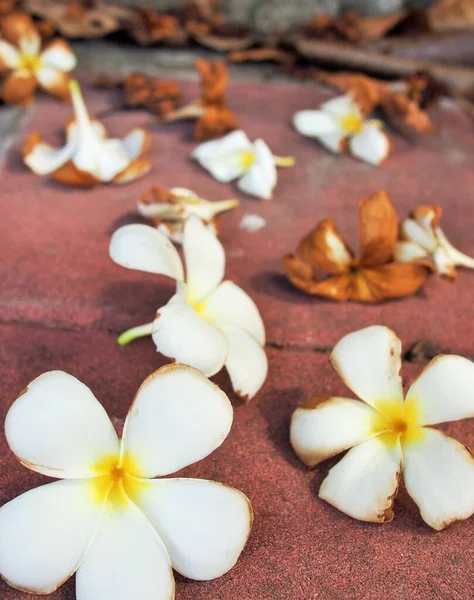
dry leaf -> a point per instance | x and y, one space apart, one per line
159 96
451 15
374 277
148 26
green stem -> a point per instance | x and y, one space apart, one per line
136 332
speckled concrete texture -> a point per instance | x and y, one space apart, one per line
63 302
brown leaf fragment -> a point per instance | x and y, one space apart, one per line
405 114
148 26
451 15
366 91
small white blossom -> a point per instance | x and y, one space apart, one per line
236 157
340 121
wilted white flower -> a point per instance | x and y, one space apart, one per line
89 157
208 323
108 520
169 209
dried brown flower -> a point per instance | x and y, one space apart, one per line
373 277
159 96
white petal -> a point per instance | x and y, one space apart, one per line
364 483
30 42
44 159
369 362
246 362
45 533
333 141
330 427
127 560
371 145
444 391
261 178
177 418
314 123
134 143
144 248
58 428
58 55
439 476
230 305
409 251
341 106
459 258
181 334
412 231
9 55
444 264
204 525
223 157
204 258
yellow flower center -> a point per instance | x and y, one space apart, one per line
352 124
247 159
116 480
397 421
31 63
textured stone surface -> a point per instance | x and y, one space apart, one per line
62 303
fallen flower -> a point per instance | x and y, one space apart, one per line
213 117
208 323
108 519
236 157
387 435
405 109
371 278
340 121
89 157
423 241
168 210
27 65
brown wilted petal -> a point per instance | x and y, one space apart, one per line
406 115
136 169
159 96
69 174
378 229
301 275
18 90
366 91
393 280
323 248
214 79
16 26
32 140
215 122
428 214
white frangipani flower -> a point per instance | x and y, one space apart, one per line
340 120
235 157
169 209
387 434
108 520
209 323
89 157
423 240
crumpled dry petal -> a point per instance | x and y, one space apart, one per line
373 278
168 210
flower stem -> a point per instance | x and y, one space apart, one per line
223 205
80 110
136 332
284 161
191 111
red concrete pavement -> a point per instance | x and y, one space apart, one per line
63 301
